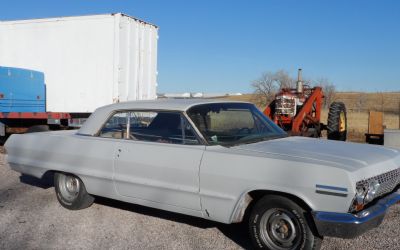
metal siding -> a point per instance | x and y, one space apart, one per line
134 59
153 70
123 63
83 58
116 59
141 59
137 66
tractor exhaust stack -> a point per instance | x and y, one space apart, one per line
299 85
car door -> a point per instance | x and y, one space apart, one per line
160 160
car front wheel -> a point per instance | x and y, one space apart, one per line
278 223
71 192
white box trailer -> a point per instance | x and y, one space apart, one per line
88 61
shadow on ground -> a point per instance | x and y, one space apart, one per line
238 233
45 182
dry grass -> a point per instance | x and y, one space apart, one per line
242 98
388 102
358 105
357 123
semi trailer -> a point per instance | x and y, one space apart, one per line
56 71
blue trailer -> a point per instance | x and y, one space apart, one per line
22 90
23 104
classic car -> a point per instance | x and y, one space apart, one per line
219 160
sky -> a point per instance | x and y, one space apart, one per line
219 46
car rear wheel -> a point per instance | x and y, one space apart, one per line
71 192
278 223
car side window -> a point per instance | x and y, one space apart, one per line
162 127
115 127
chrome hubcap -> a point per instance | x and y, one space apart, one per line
279 229
71 184
69 187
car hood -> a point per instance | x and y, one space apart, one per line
346 155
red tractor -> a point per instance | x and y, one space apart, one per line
298 111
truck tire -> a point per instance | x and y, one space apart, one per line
337 122
277 222
38 128
71 192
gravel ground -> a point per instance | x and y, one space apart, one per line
31 218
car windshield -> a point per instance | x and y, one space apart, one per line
230 124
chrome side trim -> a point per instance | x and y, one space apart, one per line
331 188
331 193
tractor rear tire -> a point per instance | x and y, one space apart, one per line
337 122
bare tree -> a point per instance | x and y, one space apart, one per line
264 88
269 84
329 90
284 80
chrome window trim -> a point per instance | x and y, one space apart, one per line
201 138
183 114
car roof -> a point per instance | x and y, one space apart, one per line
99 116
164 104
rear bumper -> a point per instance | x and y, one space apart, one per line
347 225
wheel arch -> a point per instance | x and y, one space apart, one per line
248 199
50 173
